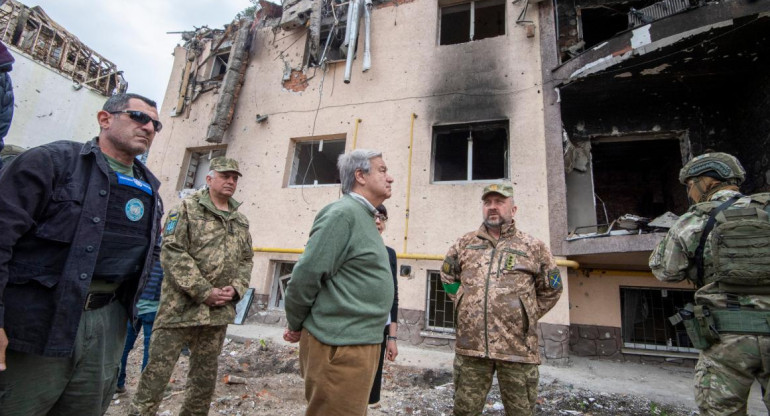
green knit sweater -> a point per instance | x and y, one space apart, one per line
341 289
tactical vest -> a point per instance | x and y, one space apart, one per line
127 229
739 243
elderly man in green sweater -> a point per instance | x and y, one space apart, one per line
341 291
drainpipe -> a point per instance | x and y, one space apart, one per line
409 180
367 35
353 23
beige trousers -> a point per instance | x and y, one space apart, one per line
338 379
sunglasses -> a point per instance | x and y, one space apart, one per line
141 118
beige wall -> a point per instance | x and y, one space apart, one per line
491 79
595 295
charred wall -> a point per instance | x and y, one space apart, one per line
470 84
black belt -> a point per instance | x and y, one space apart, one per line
96 300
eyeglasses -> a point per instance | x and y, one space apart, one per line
141 118
380 217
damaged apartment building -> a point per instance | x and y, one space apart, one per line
59 82
589 120
637 88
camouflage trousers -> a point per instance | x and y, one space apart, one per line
473 379
205 343
726 370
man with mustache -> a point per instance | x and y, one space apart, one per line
207 261
502 281
79 224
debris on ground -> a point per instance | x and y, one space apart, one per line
262 378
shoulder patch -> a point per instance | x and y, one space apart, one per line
450 267
554 279
173 218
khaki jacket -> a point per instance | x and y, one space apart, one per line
501 289
202 249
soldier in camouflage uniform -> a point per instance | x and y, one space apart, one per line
207 259
502 281
730 321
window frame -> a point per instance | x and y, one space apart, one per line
504 124
190 154
428 326
472 15
293 168
277 287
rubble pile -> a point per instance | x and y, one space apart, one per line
261 378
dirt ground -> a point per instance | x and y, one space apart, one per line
268 383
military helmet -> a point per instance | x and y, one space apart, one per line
718 165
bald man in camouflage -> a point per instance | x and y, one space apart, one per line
207 260
722 245
502 281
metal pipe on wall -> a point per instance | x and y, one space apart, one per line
353 18
409 180
412 256
367 35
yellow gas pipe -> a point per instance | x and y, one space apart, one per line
409 180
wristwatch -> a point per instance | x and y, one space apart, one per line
392 338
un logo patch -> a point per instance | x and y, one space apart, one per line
134 209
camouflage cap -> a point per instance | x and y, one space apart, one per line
225 164
503 189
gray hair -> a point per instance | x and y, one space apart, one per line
211 174
349 163
119 102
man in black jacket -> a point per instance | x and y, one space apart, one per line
6 93
79 224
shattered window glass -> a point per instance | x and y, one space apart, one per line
280 283
470 152
644 315
198 167
315 162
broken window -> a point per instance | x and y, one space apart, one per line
645 324
280 283
470 152
475 20
198 164
219 66
598 24
440 314
315 161
637 175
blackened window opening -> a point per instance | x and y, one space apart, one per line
637 177
470 152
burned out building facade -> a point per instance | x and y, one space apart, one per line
638 88
588 107
450 92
